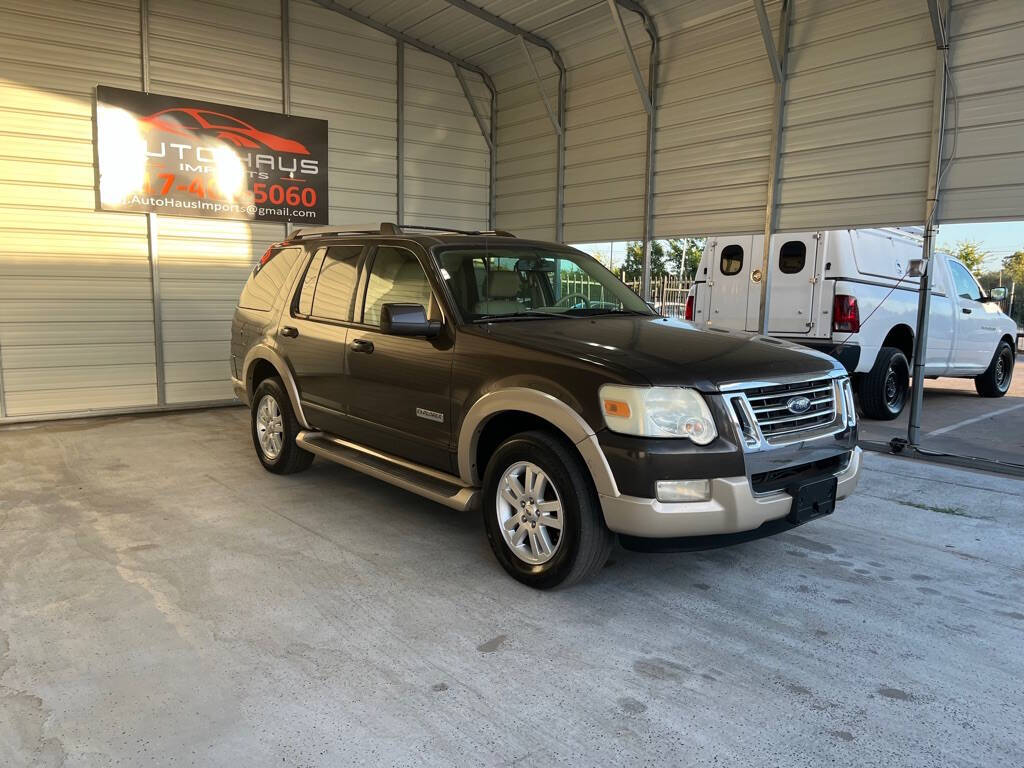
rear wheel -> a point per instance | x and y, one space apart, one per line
541 512
274 428
996 380
883 390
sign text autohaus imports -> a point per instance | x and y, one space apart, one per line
193 158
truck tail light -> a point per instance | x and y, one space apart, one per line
688 312
845 315
267 256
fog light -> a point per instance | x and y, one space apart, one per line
683 490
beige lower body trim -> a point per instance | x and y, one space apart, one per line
732 508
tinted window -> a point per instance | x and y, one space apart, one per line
966 287
305 303
396 277
332 298
267 278
792 257
731 261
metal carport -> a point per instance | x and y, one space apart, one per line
528 116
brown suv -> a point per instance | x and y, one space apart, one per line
524 379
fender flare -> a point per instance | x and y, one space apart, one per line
551 409
263 352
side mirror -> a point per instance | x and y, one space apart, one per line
407 320
997 294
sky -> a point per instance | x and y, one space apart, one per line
999 238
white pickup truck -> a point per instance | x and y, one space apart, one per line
848 293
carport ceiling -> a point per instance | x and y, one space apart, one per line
443 25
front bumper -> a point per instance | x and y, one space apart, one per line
732 508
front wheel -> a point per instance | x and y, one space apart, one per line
274 428
884 389
541 512
996 380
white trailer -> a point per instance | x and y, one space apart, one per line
848 293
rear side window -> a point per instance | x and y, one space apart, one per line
267 278
395 278
792 257
332 299
305 303
731 261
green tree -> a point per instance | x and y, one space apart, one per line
632 268
970 253
684 256
1013 266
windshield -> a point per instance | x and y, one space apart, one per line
520 282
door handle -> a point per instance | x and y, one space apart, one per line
966 310
362 345
290 331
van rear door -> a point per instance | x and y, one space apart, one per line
795 281
729 260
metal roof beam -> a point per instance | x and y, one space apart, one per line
769 42
555 122
641 88
526 36
408 40
938 27
472 105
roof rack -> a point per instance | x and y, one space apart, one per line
387 228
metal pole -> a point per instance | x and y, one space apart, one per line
286 57
152 251
773 163
492 176
924 297
400 135
652 93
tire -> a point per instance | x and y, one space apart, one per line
996 380
282 456
579 548
884 390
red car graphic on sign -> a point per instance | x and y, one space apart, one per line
183 121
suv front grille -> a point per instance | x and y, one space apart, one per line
770 406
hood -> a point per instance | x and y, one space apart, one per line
666 352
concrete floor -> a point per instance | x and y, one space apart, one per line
956 420
165 601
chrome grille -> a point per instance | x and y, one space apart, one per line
769 405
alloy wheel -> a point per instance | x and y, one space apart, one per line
529 513
270 427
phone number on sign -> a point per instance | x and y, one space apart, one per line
275 194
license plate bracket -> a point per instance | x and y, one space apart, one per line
812 500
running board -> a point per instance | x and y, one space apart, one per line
429 483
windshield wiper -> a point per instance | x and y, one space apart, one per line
601 312
529 314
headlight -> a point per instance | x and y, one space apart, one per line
657 412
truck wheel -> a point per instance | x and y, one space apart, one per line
883 390
996 380
541 512
274 428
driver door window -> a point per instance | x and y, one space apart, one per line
966 287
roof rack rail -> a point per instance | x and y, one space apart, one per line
304 232
386 228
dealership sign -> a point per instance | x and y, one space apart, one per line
192 158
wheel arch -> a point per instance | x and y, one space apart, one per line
516 409
256 362
1012 342
901 337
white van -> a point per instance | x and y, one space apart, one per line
847 293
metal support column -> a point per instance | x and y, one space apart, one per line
488 136
650 101
152 250
400 135
940 27
778 57
286 57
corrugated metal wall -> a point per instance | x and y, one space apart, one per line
987 54
447 163
76 317
76 311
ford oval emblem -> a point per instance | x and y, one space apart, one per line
799 404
